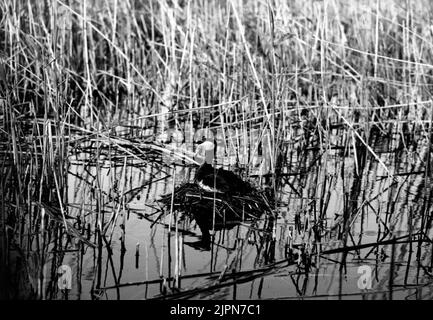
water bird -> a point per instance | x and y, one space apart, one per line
217 198
211 179
219 181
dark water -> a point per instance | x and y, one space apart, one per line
379 194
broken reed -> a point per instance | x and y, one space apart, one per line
72 72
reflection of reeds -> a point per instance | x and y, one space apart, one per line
309 98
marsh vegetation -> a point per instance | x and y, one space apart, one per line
325 107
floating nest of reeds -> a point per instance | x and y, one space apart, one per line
228 209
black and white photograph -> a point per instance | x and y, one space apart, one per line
231 152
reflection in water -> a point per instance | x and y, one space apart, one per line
339 208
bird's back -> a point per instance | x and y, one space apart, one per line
224 181
234 182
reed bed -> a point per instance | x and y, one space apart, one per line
326 103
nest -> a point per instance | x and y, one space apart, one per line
230 209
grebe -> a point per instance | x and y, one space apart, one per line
210 179
238 200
